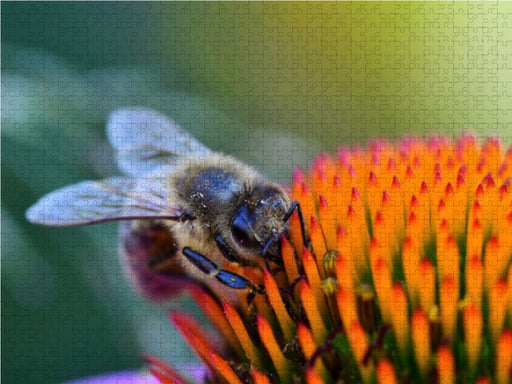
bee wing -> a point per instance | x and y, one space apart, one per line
91 202
145 140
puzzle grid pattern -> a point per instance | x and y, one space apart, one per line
269 83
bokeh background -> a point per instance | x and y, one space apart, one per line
272 83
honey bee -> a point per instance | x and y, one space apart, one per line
186 210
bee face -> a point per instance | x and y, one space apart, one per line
187 206
258 219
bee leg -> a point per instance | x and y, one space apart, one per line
233 280
204 264
275 236
296 205
226 250
184 216
207 266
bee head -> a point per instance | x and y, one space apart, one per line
259 219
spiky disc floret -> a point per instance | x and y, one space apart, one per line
406 275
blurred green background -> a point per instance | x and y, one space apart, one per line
273 83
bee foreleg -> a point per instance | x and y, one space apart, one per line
204 264
233 280
207 266
226 250
184 216
296 205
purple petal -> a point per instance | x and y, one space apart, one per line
194 372
125 377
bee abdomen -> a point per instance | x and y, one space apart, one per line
151 259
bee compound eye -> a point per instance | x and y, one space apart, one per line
242 232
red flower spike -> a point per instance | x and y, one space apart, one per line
163 372
347 307
385 372
409 173
410 263
259 378
379 220
421 338
327 223
489 183
449 163
339 201
312 377
373 192
460 181
491 264
424 188
216 316
298 176
479 192
448 262
290 264
320 181
391 164
448 297
308 346
318 242
497 307
414 205
223 368
386 200
445 365
359 343
267 337
382 280
476 210
285 321
372 179
315 281
503 191
189 330
504 357
344 274
295 232
440 182
188 324
306 340
509 291
475 238
472 322
448 192
316 322
395 184
400 316
164 379
238 326
474 280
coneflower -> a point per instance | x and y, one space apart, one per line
405 276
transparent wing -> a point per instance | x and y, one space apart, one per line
145 140
91 202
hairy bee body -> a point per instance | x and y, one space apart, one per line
187 211
150 259
212 189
